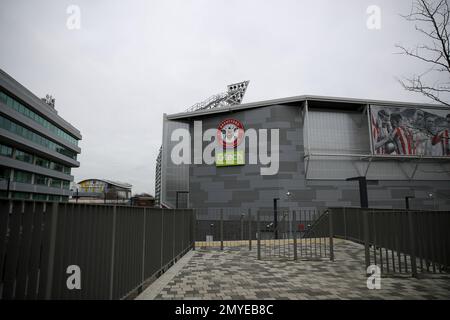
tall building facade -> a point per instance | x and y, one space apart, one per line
38 148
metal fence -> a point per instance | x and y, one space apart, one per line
285 234
398 241
118 249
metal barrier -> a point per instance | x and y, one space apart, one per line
287 235
118 249
398 241
217 228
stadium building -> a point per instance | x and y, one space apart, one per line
38 148
101 191
401 149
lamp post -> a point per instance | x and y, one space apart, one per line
7 187
364 202
275 217
288 195
407 201
431 196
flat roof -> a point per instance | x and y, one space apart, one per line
300 99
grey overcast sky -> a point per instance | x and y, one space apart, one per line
132 61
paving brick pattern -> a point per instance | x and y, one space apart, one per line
237 274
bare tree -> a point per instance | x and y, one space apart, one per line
431 19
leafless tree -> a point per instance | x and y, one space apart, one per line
431 19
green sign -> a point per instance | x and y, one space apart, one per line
230 158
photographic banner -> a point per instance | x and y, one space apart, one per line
410 131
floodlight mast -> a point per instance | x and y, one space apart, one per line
233 96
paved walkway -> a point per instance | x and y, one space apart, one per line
237 274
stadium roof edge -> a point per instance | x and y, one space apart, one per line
302 98
115 183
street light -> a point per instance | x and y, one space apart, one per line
431 196
7 188
364 202
275 217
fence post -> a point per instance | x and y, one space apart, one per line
366 237
242 229
412 240
162 239
331 231
51 250
143 248
113 245
173 234
194 221
345 224
221 229
249 229
258 234
294 220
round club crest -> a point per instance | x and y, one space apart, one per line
230 133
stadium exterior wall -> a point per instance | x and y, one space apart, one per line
244 187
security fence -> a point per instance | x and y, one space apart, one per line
117 249
398 241
281 234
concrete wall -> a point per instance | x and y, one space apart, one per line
244 187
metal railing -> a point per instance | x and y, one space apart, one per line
398 241
288 235
118 249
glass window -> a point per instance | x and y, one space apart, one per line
66 184
28 134
5 173
55 183
19 107
23 156
3 97
22 176
9 102
54 198
57 166
21 195
5 151
42 162
40 197
41 180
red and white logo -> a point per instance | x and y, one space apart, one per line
230 133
